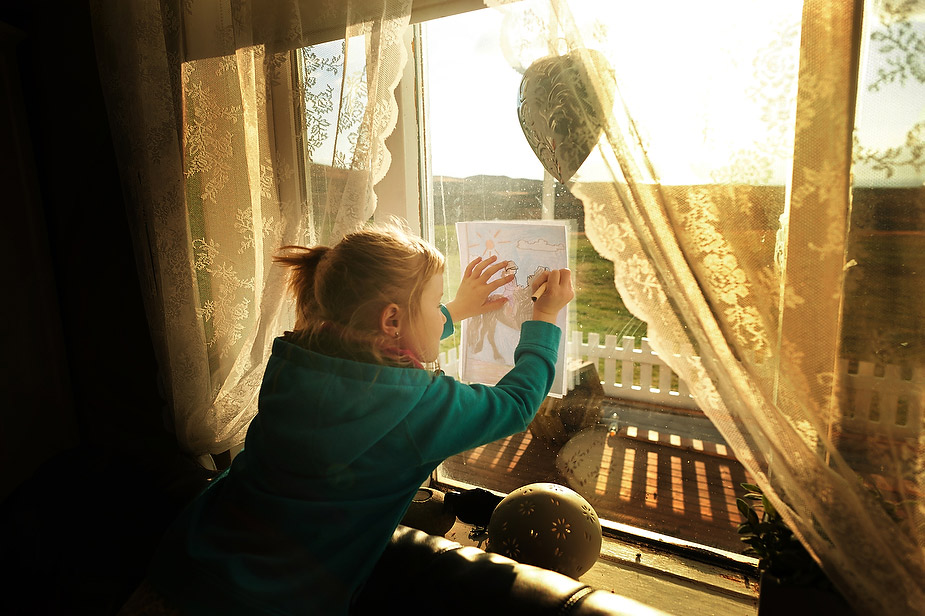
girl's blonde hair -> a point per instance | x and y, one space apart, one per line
341 291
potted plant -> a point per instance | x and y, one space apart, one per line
790 581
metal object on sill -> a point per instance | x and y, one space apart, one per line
427 512
613 424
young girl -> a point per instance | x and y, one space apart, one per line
349 427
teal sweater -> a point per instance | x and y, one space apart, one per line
331 462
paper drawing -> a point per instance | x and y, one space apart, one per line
488 340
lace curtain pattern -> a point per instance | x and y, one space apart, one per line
206 103
759 188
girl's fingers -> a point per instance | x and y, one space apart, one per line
564 284
500 282
565 278
488 272
480 267
493 304
552 279
471 266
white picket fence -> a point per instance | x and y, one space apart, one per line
881 399
630 372
627 372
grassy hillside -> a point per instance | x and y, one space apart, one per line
887 243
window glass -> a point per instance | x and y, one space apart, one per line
661 465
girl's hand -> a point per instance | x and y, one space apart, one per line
556 297
474 289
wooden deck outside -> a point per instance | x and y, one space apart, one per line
652 480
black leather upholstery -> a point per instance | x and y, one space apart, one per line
427 574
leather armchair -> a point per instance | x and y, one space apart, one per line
428 574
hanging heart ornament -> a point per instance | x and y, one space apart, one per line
562 111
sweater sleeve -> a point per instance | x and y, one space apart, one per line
453 417
448 326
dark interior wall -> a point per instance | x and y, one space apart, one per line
37 416
82 363
89 476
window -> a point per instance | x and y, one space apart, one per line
660 464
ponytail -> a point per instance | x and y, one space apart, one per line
303 265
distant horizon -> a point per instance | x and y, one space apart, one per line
665 184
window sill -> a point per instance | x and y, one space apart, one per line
662 573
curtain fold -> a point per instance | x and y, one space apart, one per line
758 185
212 104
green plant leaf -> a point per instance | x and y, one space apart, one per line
768 507
743 507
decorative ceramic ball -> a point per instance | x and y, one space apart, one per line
546 525
561 107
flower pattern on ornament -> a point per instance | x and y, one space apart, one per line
561 528
527 508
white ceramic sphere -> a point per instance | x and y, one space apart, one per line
546 525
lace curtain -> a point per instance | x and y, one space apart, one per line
759 188
221 167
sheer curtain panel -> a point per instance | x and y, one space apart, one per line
240 127
758 184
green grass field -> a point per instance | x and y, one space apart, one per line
599 307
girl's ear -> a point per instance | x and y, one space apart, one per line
390 320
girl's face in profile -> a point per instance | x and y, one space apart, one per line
423 336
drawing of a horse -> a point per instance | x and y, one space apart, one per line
483 327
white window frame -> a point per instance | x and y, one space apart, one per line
399 193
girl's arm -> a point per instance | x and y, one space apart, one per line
459 417
474 289
454 417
